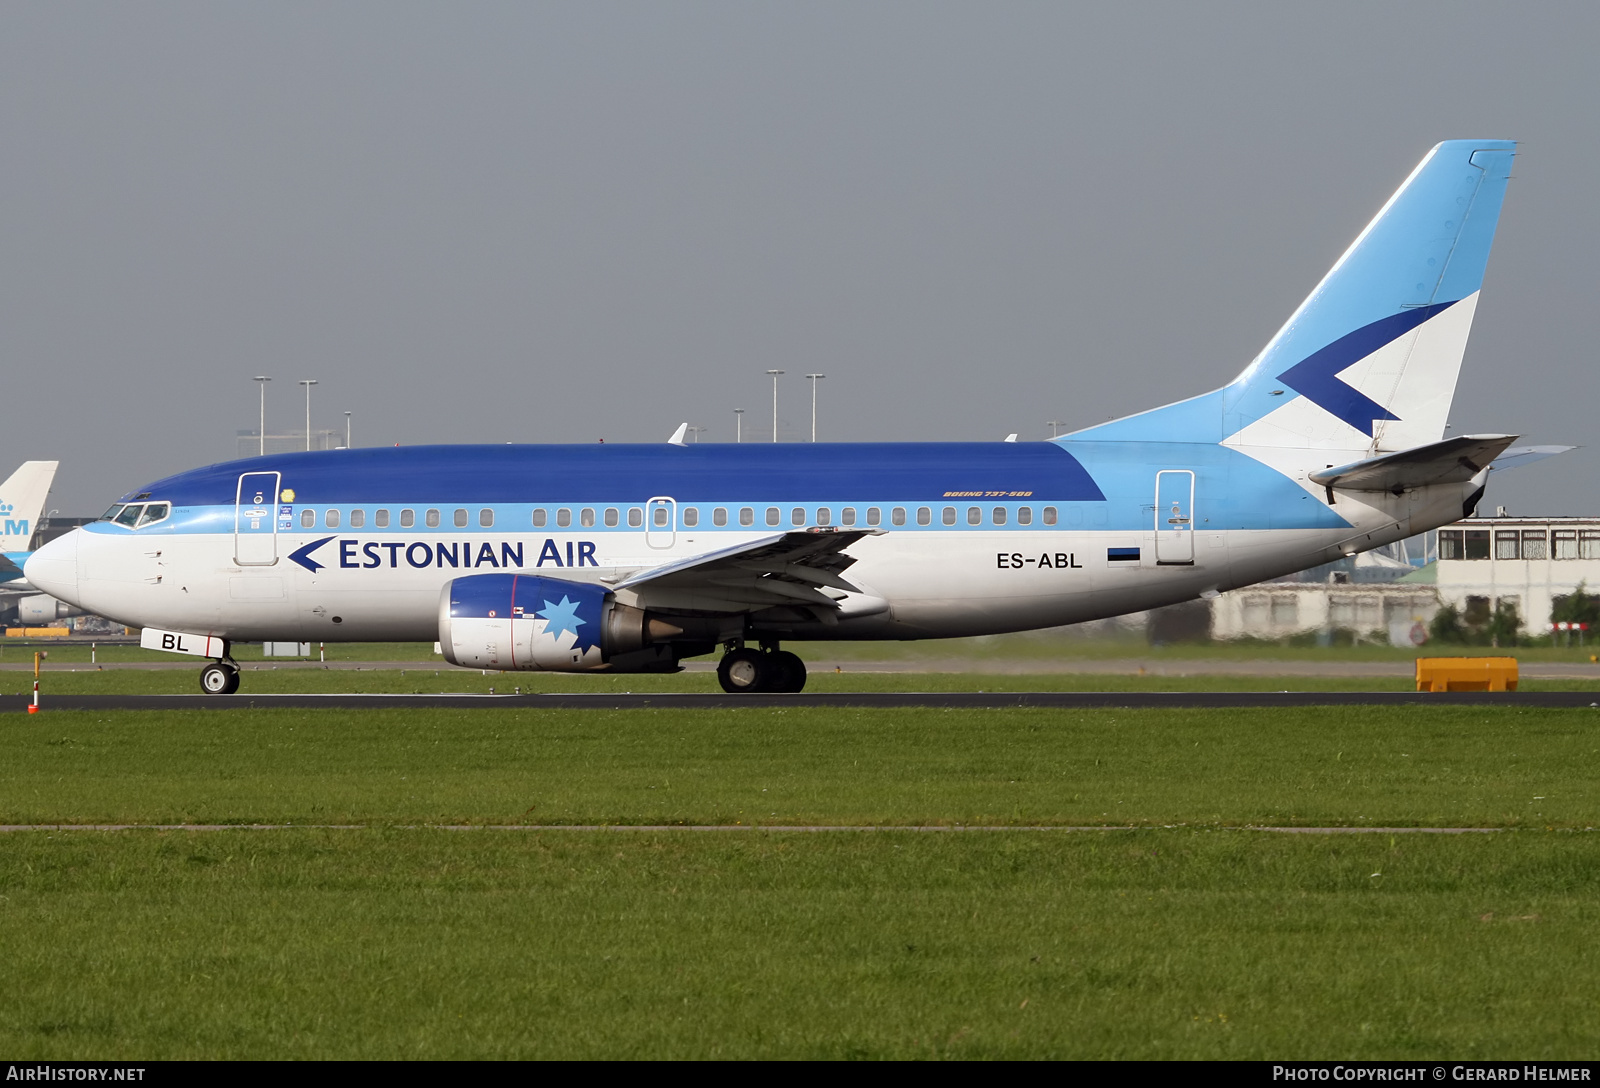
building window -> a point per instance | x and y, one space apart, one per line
1342 612
1589 544
1477 610
1565 543
1506 544
1533 546
1256 611
1286 611
1463 544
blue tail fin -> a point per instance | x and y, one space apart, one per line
1370 359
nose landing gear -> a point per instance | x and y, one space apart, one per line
219 678
765 671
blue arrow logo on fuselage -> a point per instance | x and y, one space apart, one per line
303 555
1316 377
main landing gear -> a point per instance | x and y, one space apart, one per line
765 671
220 678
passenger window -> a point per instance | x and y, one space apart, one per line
1024 515
747 516
824 515
635 517
563 518
408 518
539 517
331 519
974 516
949 515
358 518
129 516
847 516
432 518
719 516
873 515
660 517
924 516
898 515
154 513
611 517
999 515
460 519
691 516
1049 515
586 517
798 515
486 518
773 515
308 519
381 519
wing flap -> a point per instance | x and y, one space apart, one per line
784 568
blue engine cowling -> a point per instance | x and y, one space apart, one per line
526 622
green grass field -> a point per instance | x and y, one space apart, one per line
1189 935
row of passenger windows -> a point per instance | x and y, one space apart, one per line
408 518
661 517
1520 544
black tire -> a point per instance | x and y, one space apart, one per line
219 678
789 670
744 672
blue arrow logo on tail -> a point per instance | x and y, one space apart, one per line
303 555
1316 377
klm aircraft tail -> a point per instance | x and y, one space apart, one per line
1370 359
22 501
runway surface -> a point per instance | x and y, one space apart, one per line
1066 700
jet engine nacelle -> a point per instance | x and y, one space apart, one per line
526 622
42 608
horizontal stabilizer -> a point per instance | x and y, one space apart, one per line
1527 455
1452 461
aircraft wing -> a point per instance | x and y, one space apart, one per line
781 569
1452 461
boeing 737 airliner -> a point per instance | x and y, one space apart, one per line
632 558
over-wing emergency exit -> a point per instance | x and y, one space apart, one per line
632 558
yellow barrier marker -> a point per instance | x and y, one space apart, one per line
1466 674
38 656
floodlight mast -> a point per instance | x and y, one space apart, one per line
308 383
774 374
814 378
261 432
738 424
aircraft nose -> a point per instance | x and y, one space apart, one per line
53 569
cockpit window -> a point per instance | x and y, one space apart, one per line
111 514
129 515
156 511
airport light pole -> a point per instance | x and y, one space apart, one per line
695 430
262 433
347 430
774 374
738 424
814 378
1053 424
308 383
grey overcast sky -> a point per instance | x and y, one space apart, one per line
561 222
